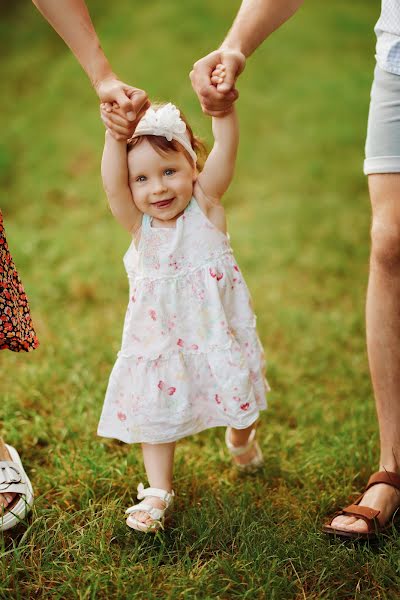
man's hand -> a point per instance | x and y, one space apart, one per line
123 105
216 99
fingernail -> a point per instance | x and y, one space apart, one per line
131 116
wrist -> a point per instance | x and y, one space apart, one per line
226 113
111 139
233 46
101 73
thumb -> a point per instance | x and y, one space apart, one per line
125 105
233 68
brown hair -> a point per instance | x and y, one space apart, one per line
162 145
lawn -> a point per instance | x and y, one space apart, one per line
299 216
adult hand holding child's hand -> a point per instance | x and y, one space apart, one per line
122 106
217 98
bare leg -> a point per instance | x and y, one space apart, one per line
383 340
239 437
159 464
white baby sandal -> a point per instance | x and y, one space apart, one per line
256 462
157 514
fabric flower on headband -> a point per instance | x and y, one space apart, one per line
165 121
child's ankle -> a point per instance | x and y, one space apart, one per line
239 437
162 485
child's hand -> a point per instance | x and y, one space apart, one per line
218 75
217 79
215 102
132 100
116 122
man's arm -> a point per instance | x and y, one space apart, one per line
255 21
71 20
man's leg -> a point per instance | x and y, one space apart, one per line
383 340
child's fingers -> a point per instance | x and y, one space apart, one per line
218 75
216 79
116 118
218 72
220 68
106 106
122 131
116 110
117 129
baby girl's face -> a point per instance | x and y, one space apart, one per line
161 185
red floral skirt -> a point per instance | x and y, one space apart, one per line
16 328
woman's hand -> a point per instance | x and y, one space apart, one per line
122 106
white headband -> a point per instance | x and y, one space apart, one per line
165 121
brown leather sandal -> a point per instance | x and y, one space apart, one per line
369 515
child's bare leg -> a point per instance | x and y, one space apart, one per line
159 464
239 437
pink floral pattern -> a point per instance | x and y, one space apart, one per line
190 357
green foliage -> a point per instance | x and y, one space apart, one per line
298 217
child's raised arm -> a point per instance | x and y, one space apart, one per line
114 172
218 171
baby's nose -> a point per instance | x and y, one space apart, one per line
159 186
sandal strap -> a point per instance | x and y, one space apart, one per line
12 477
155 513
239 450
256 462
365 513
387 477
157 492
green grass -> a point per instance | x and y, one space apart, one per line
298 216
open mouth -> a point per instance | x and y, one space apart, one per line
163 203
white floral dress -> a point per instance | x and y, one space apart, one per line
190 356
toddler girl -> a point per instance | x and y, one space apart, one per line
190 356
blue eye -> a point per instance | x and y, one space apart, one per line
169 172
